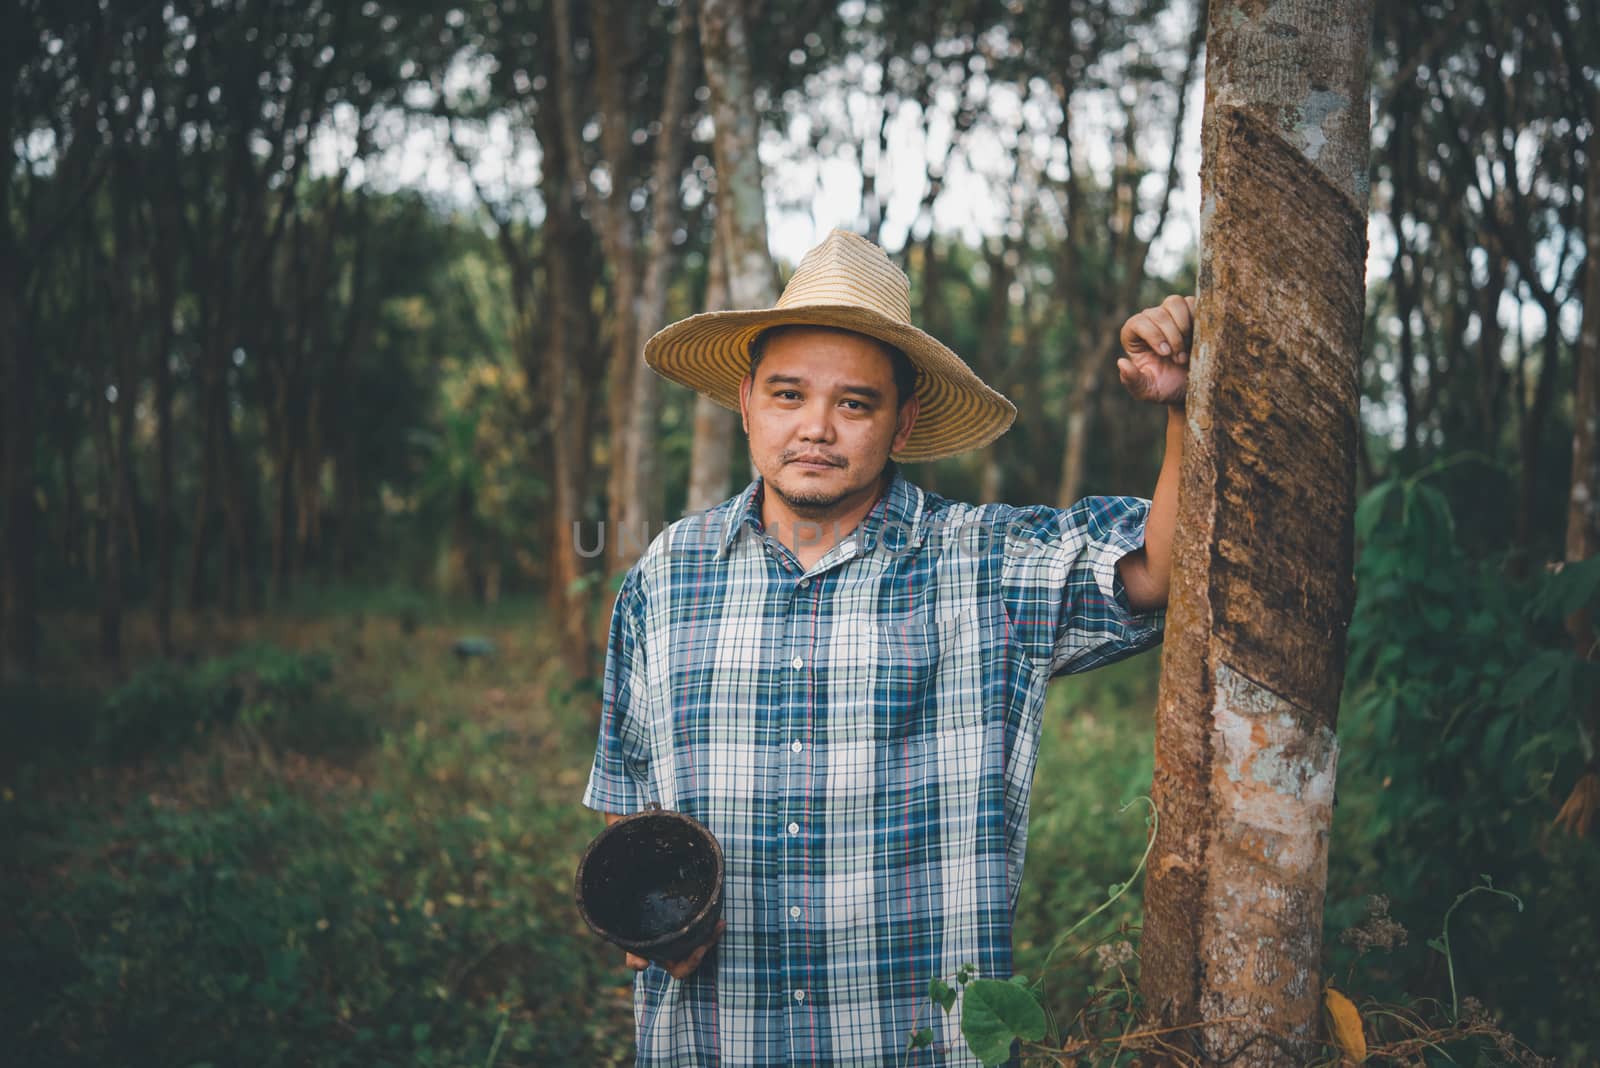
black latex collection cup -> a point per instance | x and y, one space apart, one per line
651 884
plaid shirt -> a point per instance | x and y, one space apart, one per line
861 738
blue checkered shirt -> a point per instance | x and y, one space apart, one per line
861 738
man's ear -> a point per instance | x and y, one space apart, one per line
744 403
906 420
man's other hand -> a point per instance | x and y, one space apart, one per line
681 969
1157 342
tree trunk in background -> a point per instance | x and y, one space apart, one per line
644 502
1085 387
200 529
741 205
109 500
569 282
114 407
1262 589
19 643
20 627
621 245
991 358
1530 435
1583 501
711 458
166 301
358 328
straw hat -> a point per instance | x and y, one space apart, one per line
848 282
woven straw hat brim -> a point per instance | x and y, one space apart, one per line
710 353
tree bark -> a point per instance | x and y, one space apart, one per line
1262 589
19 625
993 350
643 501
741 205
569 282
621 243
109 499
1530 434
116 415
18 597
711 456
166 282
1583 500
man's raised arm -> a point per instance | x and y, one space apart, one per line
1156 370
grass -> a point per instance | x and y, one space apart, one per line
322 838
269 864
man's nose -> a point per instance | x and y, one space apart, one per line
817 422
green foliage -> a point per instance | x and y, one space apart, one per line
270 693
1460 740
162 706
423 918
1081 846
1094 758
995 1013
1442 943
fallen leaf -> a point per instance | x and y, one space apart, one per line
1344 1021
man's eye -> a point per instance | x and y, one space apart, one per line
856 406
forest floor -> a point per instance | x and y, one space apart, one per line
322 837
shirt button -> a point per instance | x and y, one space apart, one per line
796 746
797 663
794 828
794 910
805 584
799 995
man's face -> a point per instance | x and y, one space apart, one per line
822 417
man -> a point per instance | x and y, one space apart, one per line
842 675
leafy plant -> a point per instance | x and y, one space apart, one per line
997 1013
1461 735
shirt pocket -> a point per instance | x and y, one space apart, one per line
926 678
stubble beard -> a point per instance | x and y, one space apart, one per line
812 504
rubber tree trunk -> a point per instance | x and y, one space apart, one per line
614 225
711 457
741 203
569 288
644 502
19 641
166 289
1583 501
1263 590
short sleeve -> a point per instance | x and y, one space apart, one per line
1061 588
617 781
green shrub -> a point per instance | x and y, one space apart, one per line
163 706
1095 757
1460 741
278 695
406 924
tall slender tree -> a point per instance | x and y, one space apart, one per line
711 452
741 223
741 205
1583 496
18 606
1262 591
